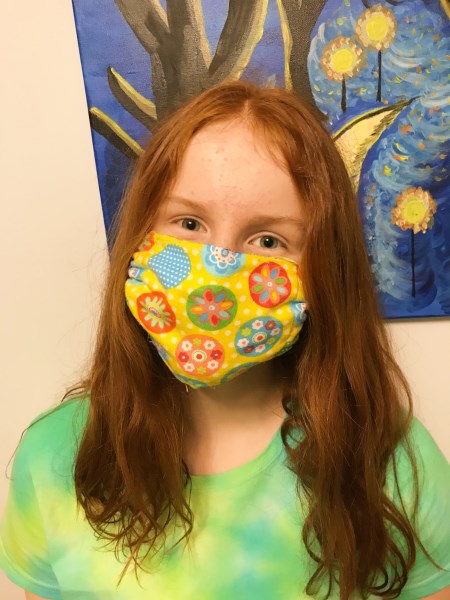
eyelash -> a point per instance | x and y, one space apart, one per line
279 243
272 237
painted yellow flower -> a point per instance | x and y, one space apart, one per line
342 57
376 27
415 209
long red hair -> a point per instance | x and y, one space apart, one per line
345 390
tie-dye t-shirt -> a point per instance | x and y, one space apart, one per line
246 542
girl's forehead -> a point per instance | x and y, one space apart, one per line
230 156
232 180
235 136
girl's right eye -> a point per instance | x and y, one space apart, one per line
190 224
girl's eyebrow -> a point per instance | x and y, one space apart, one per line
256 220
186 202
261 220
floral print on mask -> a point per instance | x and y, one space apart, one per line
155 313
211 307
199 355
269 284
258 336
221 261
214 313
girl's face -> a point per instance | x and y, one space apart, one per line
230 192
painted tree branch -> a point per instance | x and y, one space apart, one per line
159 85
177 45
135 103
187 28
114 133
179 49
185 57
301 16
242 31
179 52
287 45
148 21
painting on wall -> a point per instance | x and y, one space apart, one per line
378 71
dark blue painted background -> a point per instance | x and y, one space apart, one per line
106 40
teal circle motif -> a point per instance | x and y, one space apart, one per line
258 336
221 262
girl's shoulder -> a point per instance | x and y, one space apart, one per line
427 454
431 473
72 410
53 435
41 496
431 521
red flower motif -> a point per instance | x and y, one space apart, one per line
269 284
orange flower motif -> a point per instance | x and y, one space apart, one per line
147 242
155 312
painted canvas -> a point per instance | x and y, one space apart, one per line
378 71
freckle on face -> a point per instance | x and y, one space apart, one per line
241 161
229 171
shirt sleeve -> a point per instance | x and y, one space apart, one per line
433 514
23 545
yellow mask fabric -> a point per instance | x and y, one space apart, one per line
211 312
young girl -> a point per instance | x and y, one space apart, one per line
245 431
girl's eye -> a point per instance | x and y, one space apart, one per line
268 242
190 224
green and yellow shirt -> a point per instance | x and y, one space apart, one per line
246 542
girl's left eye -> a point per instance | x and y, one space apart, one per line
268 242
190 224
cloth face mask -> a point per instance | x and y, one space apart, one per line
210 312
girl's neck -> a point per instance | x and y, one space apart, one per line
232 423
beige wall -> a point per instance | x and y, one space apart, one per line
52 241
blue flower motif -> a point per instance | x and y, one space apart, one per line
221 261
